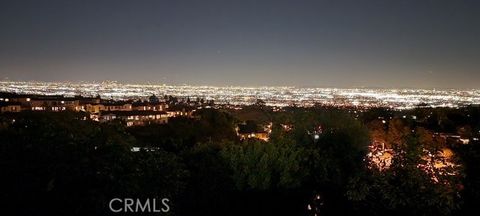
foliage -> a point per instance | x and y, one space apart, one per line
58 164
405 188
62 164
261 166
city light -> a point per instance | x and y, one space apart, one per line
272 96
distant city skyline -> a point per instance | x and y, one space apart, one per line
273 96
343 43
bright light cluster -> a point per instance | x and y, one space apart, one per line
274 96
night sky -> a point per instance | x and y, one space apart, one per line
336 43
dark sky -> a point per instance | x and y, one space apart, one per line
339 43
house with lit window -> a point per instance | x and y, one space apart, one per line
248 131
153 106
180 111
23 100
53 103
117 106
133 118
44 102
10 107
94 107
108 106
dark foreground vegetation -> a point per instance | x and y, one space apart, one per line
61 164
